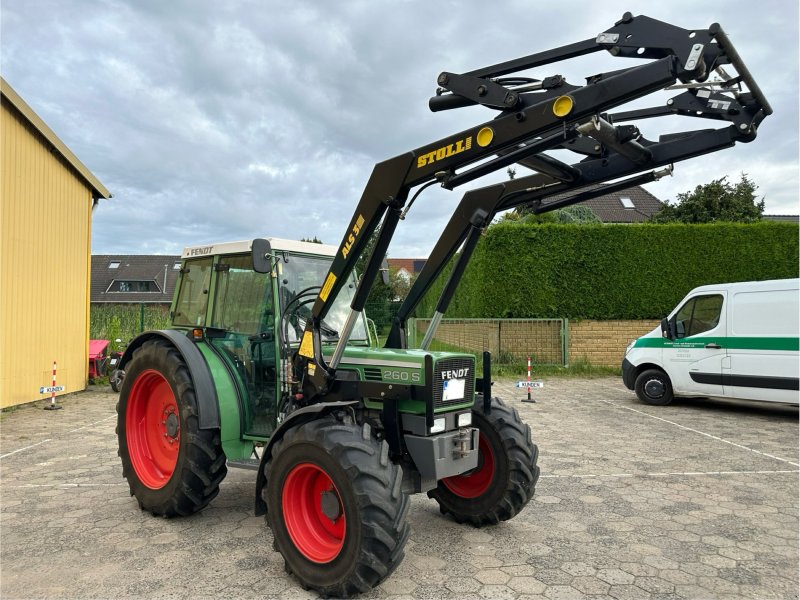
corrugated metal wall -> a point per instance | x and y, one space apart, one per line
45 241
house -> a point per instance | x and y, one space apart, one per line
782 218
47 196
134 278
407 268
633 205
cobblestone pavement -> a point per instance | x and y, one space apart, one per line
695 500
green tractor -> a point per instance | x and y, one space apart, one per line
218 390
270 362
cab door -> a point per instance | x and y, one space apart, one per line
243 322
694 359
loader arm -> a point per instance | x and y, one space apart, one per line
535 116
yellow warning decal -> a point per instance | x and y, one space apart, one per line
326 288
307 345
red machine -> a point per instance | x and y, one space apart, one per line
98 358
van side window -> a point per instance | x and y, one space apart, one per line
698 315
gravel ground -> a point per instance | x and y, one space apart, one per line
698 499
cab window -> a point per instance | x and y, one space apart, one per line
700 314
243 301
190 307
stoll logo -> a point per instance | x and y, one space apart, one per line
455 373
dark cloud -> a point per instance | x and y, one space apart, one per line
213 121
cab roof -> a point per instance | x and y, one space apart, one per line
244 246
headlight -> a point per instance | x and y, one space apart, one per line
465 419
629 348
438 425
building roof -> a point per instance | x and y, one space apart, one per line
411 265
9 95
782 218
123 278
633 205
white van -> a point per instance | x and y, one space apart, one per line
733 340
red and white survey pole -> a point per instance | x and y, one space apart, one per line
529 384
529 380
52 390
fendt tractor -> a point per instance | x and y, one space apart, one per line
271 364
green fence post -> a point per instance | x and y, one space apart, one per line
565 342
141 317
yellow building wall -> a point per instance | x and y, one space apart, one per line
45 255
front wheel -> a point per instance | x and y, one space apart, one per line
505 478
335 507
654 387
172 466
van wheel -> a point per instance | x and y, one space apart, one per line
654 387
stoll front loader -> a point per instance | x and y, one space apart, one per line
269 361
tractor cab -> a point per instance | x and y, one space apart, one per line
252 321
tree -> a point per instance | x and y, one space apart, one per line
572 215
719 200
314 241
576 215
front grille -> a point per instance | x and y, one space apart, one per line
372 374
453 364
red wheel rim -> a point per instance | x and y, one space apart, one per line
313 513
477 482
152 428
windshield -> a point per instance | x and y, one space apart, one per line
304 275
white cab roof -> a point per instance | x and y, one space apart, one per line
246 245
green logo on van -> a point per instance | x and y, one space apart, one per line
786 344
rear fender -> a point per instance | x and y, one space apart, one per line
206 392
298 417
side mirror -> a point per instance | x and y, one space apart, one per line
385 272
668 328
261 251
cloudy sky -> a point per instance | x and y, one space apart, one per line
215 121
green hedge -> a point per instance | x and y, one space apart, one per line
612 271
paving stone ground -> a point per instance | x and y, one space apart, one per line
694 500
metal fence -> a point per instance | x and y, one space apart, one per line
511 341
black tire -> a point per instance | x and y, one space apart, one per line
101 366
654 387
366 508
156 378
116 379
505 479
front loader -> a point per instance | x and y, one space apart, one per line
270 363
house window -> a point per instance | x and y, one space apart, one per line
176 266
626 202
114 264
128 286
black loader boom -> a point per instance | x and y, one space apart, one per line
536 115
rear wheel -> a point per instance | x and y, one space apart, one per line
654 387
335 507
505 478
172 466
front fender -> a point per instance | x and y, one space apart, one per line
298 417
205 390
